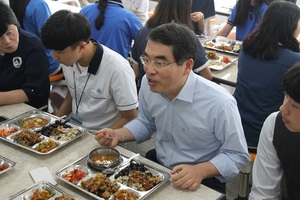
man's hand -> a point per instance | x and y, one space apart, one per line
106 137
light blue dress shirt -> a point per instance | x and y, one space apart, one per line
201 124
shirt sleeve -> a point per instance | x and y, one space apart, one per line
144 123
37 84
201 60
266 172
41 15
232 16
233 154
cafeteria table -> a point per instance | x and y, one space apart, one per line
18 178
227 75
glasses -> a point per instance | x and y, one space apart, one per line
155 64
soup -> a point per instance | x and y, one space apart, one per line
104 158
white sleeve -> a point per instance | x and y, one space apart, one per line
267 171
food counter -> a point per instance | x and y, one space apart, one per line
18 178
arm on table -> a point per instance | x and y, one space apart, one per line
13 97
66 107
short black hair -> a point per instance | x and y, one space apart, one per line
7 17
291 82
179 36
65 28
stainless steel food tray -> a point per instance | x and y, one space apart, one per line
4 161
15 122
212 44
218 64
27 193
83 163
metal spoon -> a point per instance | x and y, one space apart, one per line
110 171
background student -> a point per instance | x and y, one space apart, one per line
24 65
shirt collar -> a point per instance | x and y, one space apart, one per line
96 60
187 91
119 2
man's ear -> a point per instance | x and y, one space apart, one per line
189 64
82 46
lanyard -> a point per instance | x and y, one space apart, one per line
77 103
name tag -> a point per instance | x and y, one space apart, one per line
75 118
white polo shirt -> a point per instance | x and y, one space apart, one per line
103 88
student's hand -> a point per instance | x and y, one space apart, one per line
186 177
106 137
197 17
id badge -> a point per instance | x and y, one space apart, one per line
75 118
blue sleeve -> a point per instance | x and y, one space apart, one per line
41 15
201 58
232 16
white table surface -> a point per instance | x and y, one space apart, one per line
18 178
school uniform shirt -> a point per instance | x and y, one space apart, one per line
119 29
277 154
207 7
102 89
251 23
201 124
26 69
140 6
36 14
259 91
139 46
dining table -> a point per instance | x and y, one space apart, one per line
18 177
226 76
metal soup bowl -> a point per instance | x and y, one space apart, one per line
103 157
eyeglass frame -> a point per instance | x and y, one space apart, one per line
163 64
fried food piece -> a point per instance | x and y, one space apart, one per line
212 55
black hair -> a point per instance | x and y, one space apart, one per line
99 21
291 82
65 28
102 4
7 17
248 8
167 11
19 8
179 36
274 31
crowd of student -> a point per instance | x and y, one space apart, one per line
202 131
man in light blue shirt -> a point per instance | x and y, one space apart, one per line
197 124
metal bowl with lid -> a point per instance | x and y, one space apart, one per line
104 157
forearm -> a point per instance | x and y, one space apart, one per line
124 135
126 116
206 73
207 170
66 107
13 97
225 30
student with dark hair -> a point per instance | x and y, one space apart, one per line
167 11
23 64
245 16
266 54
112 25
102 90
189 115
32 14
278 148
